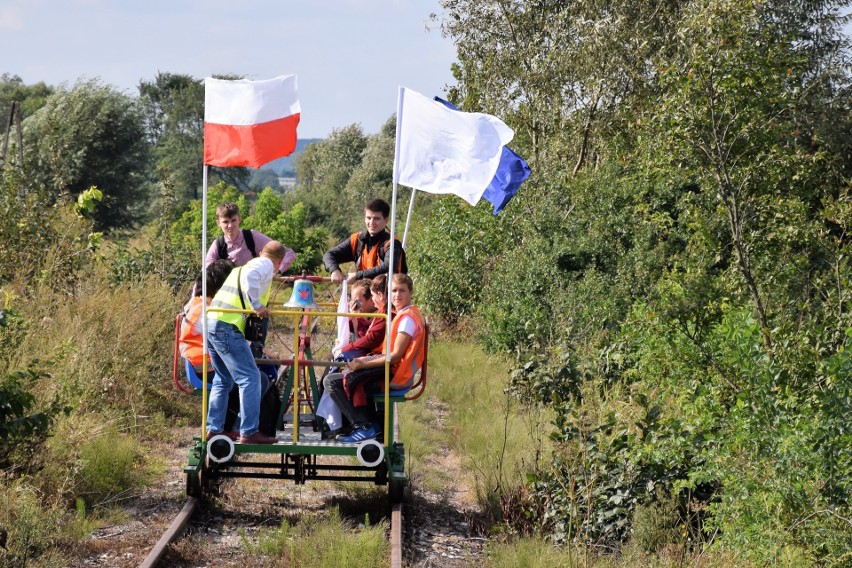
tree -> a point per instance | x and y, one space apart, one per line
373 177
732 107
30 97
674 277
91 135
323 171
173 106
263 178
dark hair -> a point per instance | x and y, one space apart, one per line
217 273
379 206
379 284
365 284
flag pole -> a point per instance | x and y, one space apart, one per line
408 218
389 306
204 351
393 211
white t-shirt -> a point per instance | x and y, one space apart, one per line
408 326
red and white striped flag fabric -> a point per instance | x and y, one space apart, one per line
249 123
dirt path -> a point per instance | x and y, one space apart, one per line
436 529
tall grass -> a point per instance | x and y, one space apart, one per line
106 354
105 348
328 542
465 410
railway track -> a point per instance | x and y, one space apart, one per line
178 526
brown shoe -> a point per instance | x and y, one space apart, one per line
258 438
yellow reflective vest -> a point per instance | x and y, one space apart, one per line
228 297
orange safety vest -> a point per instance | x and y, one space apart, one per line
190 341
371 257
402 373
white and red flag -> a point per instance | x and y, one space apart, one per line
249 123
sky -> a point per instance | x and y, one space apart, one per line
350 56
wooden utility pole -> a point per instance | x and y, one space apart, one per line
14 117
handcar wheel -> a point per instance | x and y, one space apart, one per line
209 484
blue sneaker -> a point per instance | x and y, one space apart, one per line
360 434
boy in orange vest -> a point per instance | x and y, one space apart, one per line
368 249
406 358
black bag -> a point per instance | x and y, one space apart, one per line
254 324
254 328
270 404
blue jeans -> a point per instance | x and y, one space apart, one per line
233 362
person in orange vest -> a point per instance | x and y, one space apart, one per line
368 249
190 339
406 358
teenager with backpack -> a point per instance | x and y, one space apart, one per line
240 245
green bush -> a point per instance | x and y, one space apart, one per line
31 529
109 466
92 460
23 428
455 247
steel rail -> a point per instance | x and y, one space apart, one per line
396 514
396 536
174 531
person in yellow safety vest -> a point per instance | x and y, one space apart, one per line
230 353
406 358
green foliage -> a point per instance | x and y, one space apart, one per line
175 265
528 552
289 227
323 170
23 426
498 439
49 242
30 97
31 528
110 348
547 375
454 246
13 327
173 107
175 254
262 179
108 466
683 244
91 135
658 525
373 177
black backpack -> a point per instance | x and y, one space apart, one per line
222 248
270 404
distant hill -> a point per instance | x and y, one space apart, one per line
283 167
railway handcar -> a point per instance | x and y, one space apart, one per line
301 330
